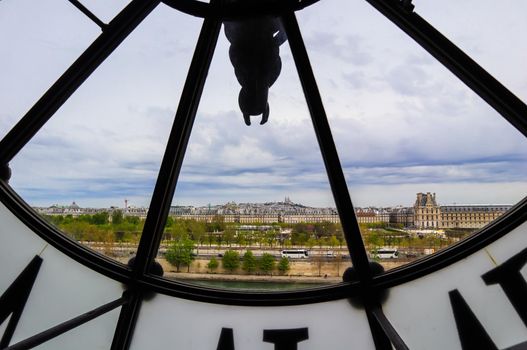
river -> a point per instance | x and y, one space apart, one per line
257 286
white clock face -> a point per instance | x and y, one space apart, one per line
67 280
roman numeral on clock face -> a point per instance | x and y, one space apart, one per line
14 299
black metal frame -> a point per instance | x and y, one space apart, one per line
88 14
13 300
238 10
137 278
66 326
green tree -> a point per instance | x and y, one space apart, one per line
229 235
207 239
283 265
311 242
333 241
322 241
100 218
117 217
267 263
134 220
197 231
324 229
301 227
219 240
68 218
373 239
299 238
249 262
231 260
241 239
179 230
270 237
217 224
170 221
213 264
318 260
180 253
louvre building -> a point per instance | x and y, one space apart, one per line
428 214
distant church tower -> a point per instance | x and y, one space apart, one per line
427 214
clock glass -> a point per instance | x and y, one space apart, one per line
287 174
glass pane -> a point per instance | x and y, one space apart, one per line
254 200
492 35
63 288
430 324
92 168
160 325
427 161
40 39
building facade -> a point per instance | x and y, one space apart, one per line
429 215
426 213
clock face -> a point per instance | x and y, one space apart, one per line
59 291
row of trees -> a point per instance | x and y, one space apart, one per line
115 227
250 263
309 235
217 232
181 253
326 229
388 236
99 227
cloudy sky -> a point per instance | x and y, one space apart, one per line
401 122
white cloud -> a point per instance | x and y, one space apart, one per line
401 122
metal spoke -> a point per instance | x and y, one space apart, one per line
387 327
88 13
337 181
124 330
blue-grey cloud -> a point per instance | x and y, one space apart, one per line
401 122
356 80
346 48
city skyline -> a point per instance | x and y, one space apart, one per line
126 203
426 213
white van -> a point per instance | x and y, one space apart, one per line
385 253
295 253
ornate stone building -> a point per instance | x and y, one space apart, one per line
428 214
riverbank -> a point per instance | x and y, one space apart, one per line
189 277
300 271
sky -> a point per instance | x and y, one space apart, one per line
401 122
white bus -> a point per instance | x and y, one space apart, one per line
386 253
295 253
